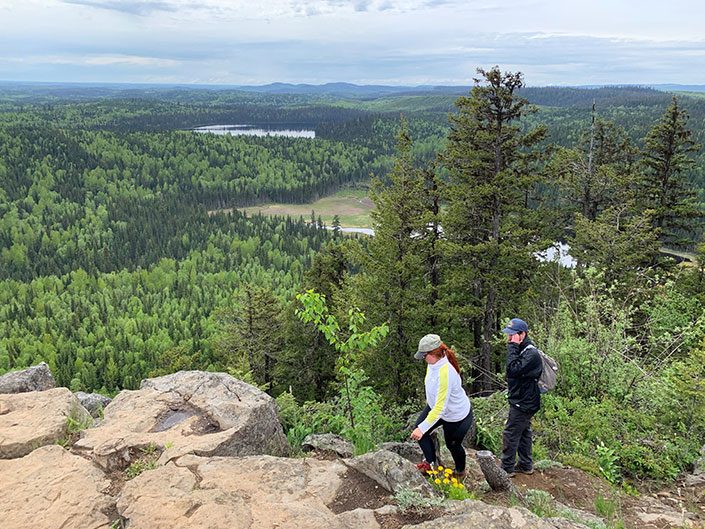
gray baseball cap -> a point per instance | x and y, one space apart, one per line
427 344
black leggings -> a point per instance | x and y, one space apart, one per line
453 432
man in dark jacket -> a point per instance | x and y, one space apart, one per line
523 371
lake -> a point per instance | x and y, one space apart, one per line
288 131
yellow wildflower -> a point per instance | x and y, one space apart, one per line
454 480
429 472
448 471
446 481
440 467
437 481
461 485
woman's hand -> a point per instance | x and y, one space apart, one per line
417 434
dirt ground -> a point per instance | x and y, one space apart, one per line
650 509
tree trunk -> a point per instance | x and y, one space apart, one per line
496 477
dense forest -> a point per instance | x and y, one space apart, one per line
123 256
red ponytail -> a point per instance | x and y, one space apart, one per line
444 350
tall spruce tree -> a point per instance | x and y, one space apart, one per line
394 286
252 337
490 227
597 174
668 195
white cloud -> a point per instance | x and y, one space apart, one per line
392 41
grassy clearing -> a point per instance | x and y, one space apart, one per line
353 206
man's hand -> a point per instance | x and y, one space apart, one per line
516 338
417 434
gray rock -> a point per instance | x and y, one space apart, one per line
410 450
700 463
328 442
93 402
698 475
471 514
33 419
391 471
190 412
36 378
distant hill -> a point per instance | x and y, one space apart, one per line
353 90
679 87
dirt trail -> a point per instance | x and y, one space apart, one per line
667 508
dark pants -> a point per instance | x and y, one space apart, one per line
453 432
517 439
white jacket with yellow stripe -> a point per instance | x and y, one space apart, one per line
444 395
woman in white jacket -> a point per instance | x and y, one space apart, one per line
447 404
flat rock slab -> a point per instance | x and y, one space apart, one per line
51 488
36 378
470 514
34 419
260 492
190 412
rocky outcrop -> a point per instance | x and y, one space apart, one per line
95 403
239 493
410 451
391 471
190 412
328 443
470 514
37 378
52 488
31 420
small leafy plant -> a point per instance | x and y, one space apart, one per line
540 502
147 461
607 461
411 500
443 481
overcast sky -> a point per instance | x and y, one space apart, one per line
361 41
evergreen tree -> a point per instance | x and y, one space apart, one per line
665 189
621 244
596 175
489 225
394 286
336 225
253 336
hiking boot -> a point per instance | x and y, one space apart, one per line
511 474
525 471
424 467
460 476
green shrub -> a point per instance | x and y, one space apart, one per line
490 417
540 502
411 500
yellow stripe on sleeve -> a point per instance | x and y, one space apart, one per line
440 403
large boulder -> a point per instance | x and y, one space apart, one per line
37 378
239 493
31 420
190 412
328 443
95 403
409 450
470 514
391 471
52 488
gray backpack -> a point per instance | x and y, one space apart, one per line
549 373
